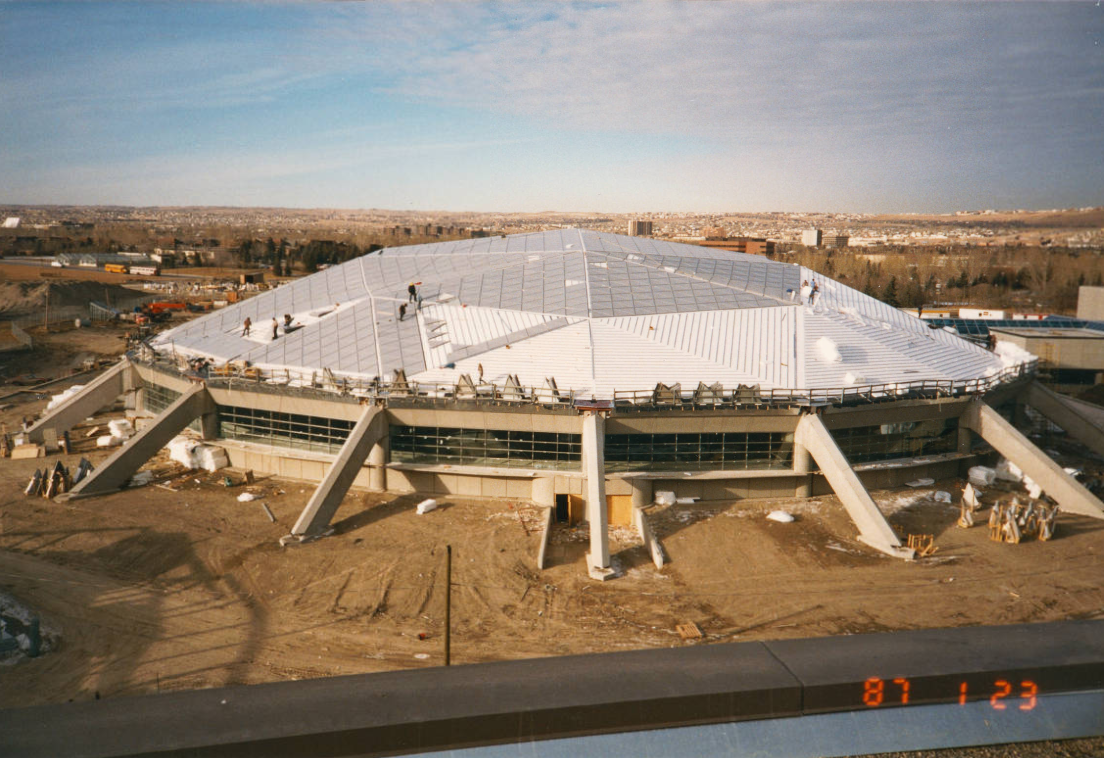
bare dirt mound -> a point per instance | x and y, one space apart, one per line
27 298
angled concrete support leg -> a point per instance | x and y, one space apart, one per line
594 466
102 391
1007 440
113 473
1082 421
873 528
548 520
651 544
328 496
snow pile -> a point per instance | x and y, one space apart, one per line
57 400
943 497
1034 491
192 454
664 498
827 351
245 497
780 516
1012 355
851 379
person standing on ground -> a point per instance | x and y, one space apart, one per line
275 326
246 325
480 373
412 291
402 310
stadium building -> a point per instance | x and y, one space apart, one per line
582 371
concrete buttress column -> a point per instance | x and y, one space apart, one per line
102 391
324 503
114 472
641 492
1008 441
594 468
1082 421
803 464
377 463
873 528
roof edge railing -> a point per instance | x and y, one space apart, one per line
513 393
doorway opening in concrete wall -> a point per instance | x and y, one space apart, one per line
561 508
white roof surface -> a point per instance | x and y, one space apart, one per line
596 311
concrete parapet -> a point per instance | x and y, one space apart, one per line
113 473
1008 441
327 497
1082 421
873 528
102 391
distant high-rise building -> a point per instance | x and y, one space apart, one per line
811 238
639 228
835 240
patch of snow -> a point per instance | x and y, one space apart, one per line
781 517
828 351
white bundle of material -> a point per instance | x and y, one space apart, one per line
981 476
180 450
426 506
211 458
120 427
1009 471
108 440
943 497
686 500
245 497
192 454
665 498
780 516
57 400
926 481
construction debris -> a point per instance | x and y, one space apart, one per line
922 482
426 506
969 506
1012 522
689 631
28 451
781 517
923 544
83 469
269 513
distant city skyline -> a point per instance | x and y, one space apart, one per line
618 108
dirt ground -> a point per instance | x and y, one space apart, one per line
182 586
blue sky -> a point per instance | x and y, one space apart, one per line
606 107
